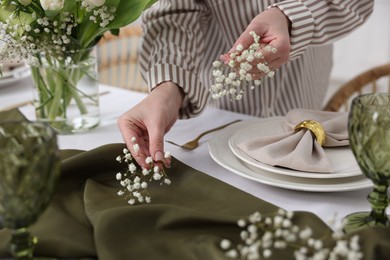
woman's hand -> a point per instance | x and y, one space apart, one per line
150 120
273 28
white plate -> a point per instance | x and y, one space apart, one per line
341 158
221 153
14 75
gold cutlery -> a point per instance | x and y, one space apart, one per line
30 102
191 145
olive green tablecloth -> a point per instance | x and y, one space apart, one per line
186 220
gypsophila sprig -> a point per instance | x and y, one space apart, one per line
135 181
262 236
243 66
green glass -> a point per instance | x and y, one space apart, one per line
369 135
29 169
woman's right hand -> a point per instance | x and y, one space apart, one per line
150 120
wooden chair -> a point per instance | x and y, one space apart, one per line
376 79
118 59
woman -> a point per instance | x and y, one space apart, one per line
183 37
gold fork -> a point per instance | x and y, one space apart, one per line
191 145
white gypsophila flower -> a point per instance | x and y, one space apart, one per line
262 236
132 167
156 176
25 2
145 172
249 67
52 5
225 244
134 183
128 156
167 155
148 160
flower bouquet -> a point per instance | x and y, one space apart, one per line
57 39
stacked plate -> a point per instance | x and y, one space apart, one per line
223 149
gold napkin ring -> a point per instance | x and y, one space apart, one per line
314 127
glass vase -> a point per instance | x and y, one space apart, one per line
66 91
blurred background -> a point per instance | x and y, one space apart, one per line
366 47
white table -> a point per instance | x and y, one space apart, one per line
325 205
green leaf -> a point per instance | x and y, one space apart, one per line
128 11
23 18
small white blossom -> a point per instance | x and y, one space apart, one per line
167 155
239 47
132 167
145 172
225 244
148 160
156 176
128 156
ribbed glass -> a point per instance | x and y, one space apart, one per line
369 134
29 169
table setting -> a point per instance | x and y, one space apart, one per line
237 186
195 212
322 200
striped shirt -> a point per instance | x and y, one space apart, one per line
183 37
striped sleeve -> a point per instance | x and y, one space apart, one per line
318 22
173 47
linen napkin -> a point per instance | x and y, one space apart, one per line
298 150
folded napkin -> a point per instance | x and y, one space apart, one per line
298 150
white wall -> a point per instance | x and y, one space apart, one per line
366 47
